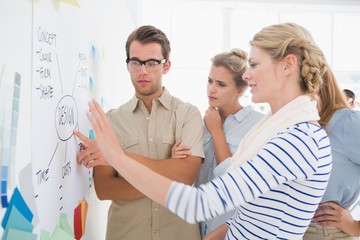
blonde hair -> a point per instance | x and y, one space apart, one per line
236 62
280 40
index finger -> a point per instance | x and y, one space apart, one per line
82 137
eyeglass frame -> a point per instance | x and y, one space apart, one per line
138 67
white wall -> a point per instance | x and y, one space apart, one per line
109 24
199 29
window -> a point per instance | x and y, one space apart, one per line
205 28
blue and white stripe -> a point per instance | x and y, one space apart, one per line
276 193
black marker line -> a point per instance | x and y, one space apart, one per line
53 154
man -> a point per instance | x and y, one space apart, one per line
147 127
350 97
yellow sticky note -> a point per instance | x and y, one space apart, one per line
71 2
84 208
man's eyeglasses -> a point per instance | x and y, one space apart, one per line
135 64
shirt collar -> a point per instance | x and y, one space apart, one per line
240 115
164 100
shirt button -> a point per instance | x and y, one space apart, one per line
155 230
151 139
147 118
155 209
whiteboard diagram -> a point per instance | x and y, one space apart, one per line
60 93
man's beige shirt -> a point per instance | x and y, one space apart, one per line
153 135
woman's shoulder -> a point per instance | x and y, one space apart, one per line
307 131
352 115
313 126
250 112
344 117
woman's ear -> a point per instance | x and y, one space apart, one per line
290 63
241 91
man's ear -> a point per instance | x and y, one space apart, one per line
167 66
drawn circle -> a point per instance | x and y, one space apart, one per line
66 117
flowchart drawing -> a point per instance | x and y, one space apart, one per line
60 93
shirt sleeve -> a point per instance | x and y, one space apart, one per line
192 133
351 142
288 156
222 167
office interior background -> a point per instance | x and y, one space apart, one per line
197 29
201 28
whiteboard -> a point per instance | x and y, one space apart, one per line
61 89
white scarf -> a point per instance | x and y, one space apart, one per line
301 109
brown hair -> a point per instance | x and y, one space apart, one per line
149 34
235 61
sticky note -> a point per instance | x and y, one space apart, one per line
71 2
60 234
64 224
17 221
44 235
18 201
11 234
77 223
